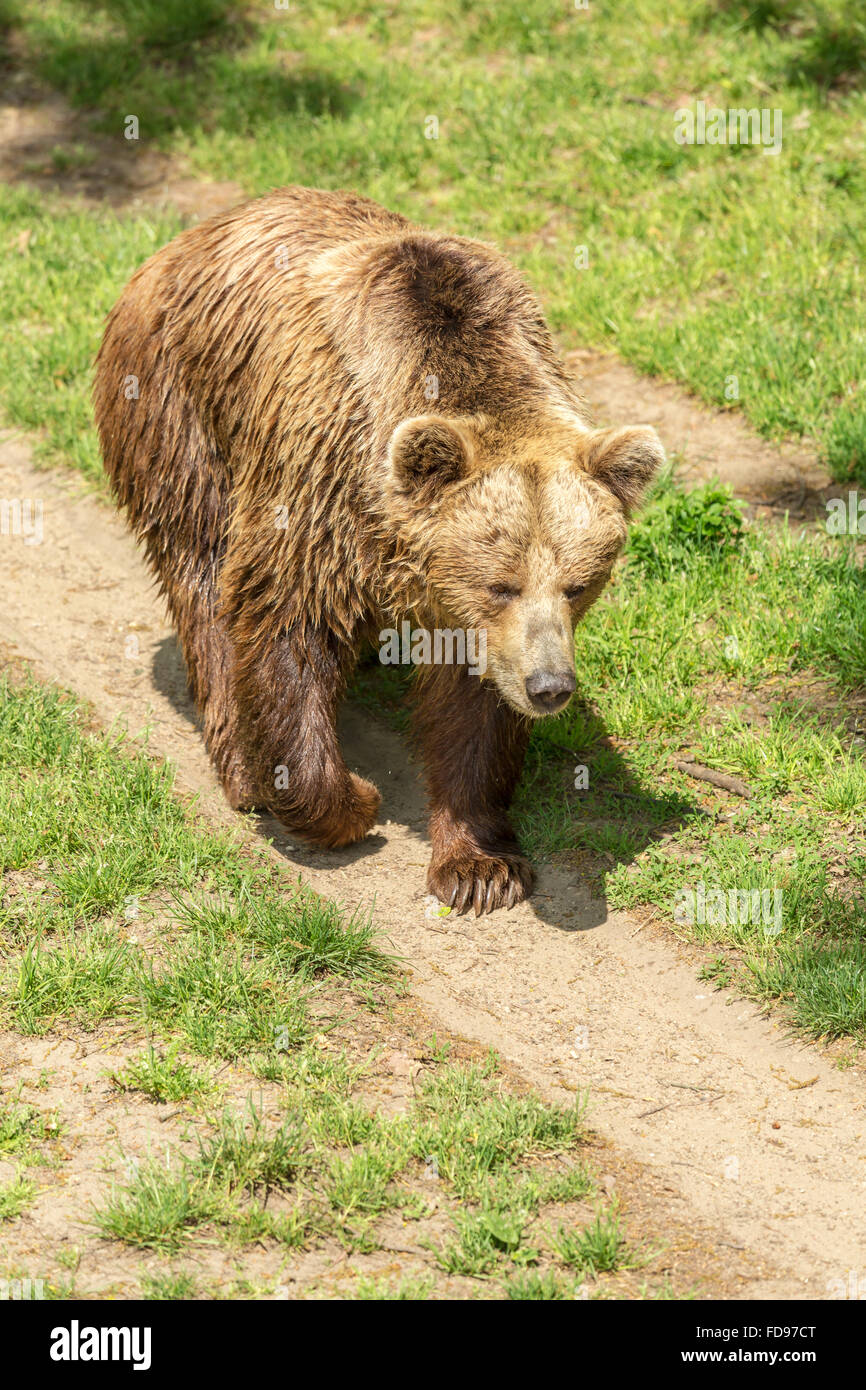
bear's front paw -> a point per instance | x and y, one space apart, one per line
482 881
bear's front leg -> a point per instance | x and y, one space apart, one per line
473 746
287 697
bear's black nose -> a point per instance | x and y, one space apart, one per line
550 690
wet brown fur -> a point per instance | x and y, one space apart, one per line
276 350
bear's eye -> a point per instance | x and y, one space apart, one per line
574 592
504 592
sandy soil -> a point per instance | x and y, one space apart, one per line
694 1086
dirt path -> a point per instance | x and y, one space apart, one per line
693 1084
707 443
46 144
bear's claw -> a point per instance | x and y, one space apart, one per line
482 882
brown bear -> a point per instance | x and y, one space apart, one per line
322 420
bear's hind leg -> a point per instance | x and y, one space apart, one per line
287 697
473 747
171 479
209 657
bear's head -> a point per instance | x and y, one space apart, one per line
516 531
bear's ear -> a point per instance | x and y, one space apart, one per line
625 460
427 453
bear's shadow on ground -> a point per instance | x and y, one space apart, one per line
564 836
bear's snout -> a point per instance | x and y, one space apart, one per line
550 691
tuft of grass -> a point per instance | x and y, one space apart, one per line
359 1189
243 1155
162 1204
822 984
23 1128
684 527
157 1209
845 442
161 1076
534 1286
597 1249
307 934
475 1130
224 1003
16 1196
86 978
168 1287
412 1288
483 1239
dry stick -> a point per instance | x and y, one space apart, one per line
644 1113
718 779
686 1086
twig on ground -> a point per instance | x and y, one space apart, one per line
717 779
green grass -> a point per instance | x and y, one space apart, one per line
28 1136
307 935
162 1076
596 1249
53 302
156 1208
101 851
168 1287
24 1128
706 263
242 1155
416 1290
473 1139
189 945
16 1196
341 1166
108 828
824 984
